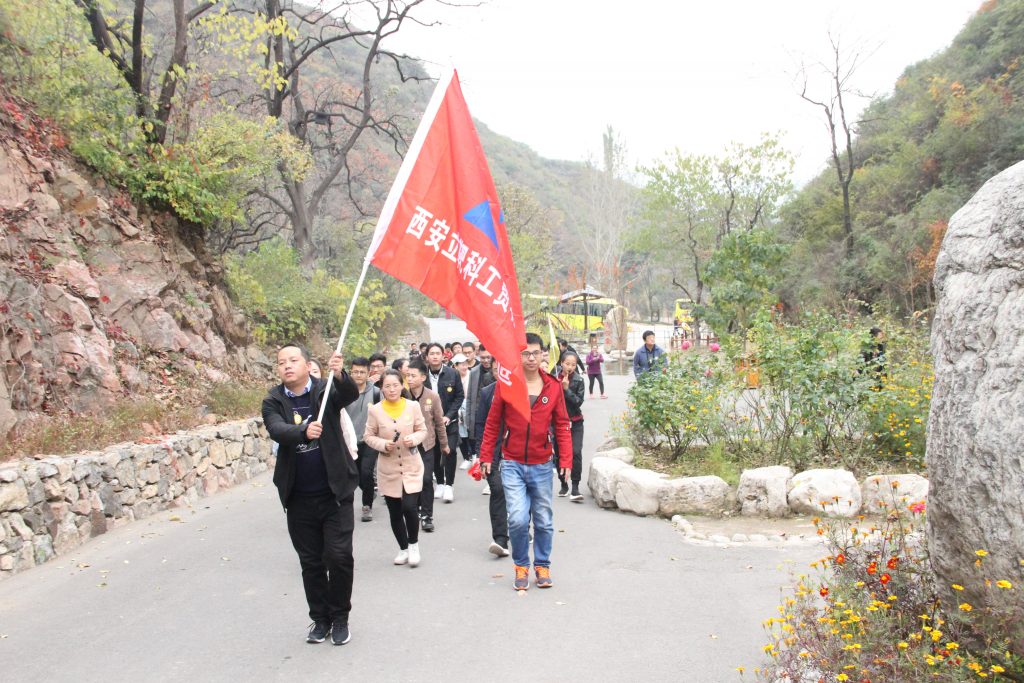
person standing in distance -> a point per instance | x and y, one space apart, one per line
395 429
486 372
526 473
436 442
446 382
315 479
647 356
594 361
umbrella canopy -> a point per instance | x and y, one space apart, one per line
585 293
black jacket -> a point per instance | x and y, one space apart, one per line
449 388
574 396
277 418
483 407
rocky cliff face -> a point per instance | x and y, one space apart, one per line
975 462
98 301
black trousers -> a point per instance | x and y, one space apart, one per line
499 514
405 518
468 447
577 454
445 465
366 463
321 531
600 380
427 494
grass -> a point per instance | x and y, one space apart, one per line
700 461
131 420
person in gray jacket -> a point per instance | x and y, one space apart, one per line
648 356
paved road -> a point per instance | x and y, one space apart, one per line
216 596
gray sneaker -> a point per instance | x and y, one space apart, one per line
319 631
340 633
367 513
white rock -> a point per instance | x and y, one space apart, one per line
625 454
758 538
718 538
837 489
764 491
696 496
740 538
602 479
881 495
638 490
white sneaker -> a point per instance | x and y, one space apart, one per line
402 557
449 494
497 550
465 465
438 491
487 489
414 554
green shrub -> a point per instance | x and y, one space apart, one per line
284 303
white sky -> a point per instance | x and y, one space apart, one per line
687 74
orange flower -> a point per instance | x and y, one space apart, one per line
893 561
840 559
885 578
824 591
873 568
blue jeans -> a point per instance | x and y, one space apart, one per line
528 495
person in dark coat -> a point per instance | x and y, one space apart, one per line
315 478
499 514
446 382
574 389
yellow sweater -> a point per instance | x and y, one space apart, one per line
394 409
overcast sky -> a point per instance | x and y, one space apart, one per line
686 74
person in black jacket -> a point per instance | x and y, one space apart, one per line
316 477
499 514
448 385
575 389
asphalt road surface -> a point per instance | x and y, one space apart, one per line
214 594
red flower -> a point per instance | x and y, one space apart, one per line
885 578
840 559
873 568
824 592
893 561
917 507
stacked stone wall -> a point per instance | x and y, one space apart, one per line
51 505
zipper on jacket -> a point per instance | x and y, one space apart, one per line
526 449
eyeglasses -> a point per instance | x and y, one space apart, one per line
532 354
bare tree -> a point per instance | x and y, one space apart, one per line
841 130
129 54
610 209
344 113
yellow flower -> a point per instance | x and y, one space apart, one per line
902 645
1004 584
965 607
957 587
740 669
981 553
842 677
996 669
952 646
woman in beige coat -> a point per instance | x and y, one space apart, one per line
395 429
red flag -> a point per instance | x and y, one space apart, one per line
442 231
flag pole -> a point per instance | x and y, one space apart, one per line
344 332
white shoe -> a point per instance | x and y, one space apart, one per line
414 554
497 550
487 489
465 465
449 494
438 491
402 557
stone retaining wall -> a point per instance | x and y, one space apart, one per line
51 505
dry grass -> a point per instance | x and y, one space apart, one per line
130 420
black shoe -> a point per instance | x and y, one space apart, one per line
428 524
564 491
576 496
319 631
340 633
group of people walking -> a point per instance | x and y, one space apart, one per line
397 431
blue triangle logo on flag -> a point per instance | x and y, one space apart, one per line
480 218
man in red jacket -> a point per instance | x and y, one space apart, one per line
526 472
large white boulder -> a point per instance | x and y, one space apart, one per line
883 492
976 419
639 491
695 496
825 491
602 479
625 454
763 492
